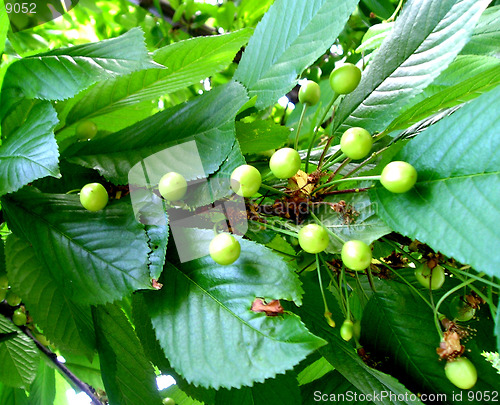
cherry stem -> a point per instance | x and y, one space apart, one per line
461 276
301 121
333 159
393 16
446 295
409 285
338 169
364 162
313 137
464 273
327 229
283 231
331 183
334 281
272 189
346 293
401 250
65 370
347 191
327 311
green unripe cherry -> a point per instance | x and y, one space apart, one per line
345 78
398 177
172 186
428 278
309 93
461 310
168 401
4 281
246 180
347 330
285 163
461 372
86 130
356 143
13 299
313 238
93 197
224 249
314 73
356 255
19 318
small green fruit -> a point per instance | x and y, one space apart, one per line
168 401
3 293
428 278
172 186
86 130
93 197
356 255
309 93
224 249
4 281
347 330
313 238
461 310
461 372
13 299
356 143
246 180
345 79
398 177
19 318
285 163
314 73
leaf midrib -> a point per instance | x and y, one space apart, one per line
395 336
389 76
217 301
17 156
462 177
71 240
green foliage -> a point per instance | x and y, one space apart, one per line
74 69
43 389
188 62
203 119
127 374
293 34
96 258
260 136
64 322
30 150
486 37
18 356
457 169
4 26
408 60
217 323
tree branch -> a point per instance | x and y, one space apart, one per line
65 370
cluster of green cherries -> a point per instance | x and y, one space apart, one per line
19 317
246 180
356 143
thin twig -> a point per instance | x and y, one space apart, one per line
65 370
